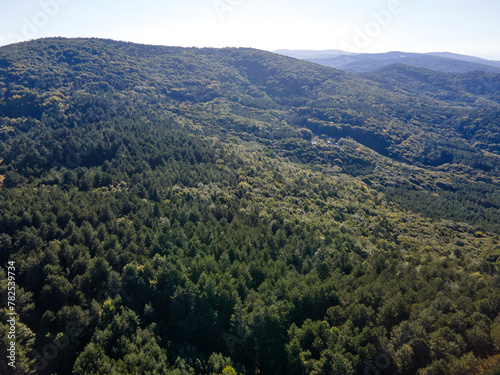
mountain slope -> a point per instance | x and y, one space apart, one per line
465 58
273 98
423 119
184 211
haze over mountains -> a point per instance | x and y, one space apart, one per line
368 62
229 211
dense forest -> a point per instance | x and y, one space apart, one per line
233 211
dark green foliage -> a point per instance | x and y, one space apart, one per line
169 214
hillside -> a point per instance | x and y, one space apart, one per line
428 121
194 211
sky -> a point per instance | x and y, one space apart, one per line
367 26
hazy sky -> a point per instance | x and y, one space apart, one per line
460 26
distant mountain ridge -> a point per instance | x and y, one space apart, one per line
313 54
369 62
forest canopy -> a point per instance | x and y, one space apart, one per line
232 211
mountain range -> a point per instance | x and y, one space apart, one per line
368 62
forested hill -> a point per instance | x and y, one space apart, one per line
443 62
439 131
205 211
